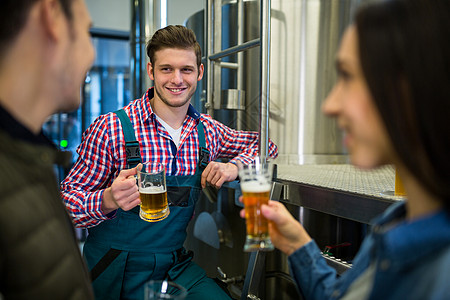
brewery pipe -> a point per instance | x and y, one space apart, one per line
235 49
145 19
215 53
240 60
137 44
208 17
264 78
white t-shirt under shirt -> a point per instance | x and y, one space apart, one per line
174 133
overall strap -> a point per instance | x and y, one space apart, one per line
203 151
131 143
104 262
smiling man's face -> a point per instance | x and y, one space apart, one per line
175 75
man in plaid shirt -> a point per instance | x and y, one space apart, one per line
100 192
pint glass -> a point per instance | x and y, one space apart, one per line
399 188
163 289
153 192
256 182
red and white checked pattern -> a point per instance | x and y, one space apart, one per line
102 154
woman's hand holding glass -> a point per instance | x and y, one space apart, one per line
286 233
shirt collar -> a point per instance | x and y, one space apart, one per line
18 131
193 113
147 111
408 241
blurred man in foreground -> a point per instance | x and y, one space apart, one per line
45 52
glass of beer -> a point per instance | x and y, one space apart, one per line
163 289
153 192
399 188
256 182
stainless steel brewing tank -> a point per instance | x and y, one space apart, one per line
305 37
304 40
250 121
196 23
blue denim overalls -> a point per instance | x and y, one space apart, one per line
137 251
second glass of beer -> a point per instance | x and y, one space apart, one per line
153 192
256 182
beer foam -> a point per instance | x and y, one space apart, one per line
255 187
152 190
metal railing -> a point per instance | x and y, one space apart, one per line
213 29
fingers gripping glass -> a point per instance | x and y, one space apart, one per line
256 182
152 192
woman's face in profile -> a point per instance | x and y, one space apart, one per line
351 103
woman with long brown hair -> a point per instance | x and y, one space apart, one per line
393 102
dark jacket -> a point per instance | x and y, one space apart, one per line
39 255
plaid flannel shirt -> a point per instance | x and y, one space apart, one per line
102 154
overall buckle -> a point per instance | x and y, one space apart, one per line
204 157
133 153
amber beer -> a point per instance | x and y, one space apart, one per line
254 195
399 188
153 203
152 192
256 182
